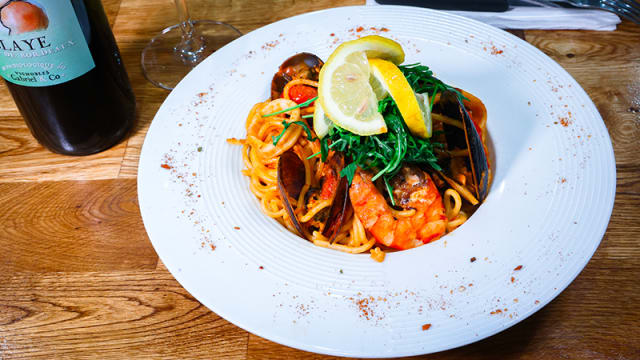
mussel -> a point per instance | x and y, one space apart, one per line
300 66
338 210
452 106
291 179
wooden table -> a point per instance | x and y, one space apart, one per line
80 279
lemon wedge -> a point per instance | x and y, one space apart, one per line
416 115
378 86
425 107
344 91
321 123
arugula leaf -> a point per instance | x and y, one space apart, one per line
349 171
385 153
389 189
306 103
286 126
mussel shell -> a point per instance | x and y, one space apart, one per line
338 210
300 66
452 106
448 106
291 179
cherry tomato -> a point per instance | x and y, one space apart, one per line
302 93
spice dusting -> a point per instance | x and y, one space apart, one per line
365 310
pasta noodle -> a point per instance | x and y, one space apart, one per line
260 158
273 128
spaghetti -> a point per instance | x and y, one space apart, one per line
428 207
260 158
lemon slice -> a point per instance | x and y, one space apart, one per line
425 107
415 114
344 90
321 123
374 46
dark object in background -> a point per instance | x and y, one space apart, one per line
72 88
462 5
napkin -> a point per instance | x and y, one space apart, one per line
545 18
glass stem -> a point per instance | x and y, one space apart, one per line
191 46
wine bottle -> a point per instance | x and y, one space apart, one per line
63 68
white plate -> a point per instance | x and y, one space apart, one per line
547 209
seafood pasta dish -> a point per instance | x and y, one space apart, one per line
363 153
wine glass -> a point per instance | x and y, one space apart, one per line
179 48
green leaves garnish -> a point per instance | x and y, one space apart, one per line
349 171
383 153
286 126
306 103
421 79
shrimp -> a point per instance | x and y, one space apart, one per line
413 189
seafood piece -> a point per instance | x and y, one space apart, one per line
290 183
300 66
452 106
331 175
477 111
423 221
336 188
338 211
291 180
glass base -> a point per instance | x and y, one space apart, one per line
164 65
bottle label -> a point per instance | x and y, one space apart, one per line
42 43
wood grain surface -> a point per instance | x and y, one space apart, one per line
80 279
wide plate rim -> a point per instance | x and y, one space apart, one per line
192 288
